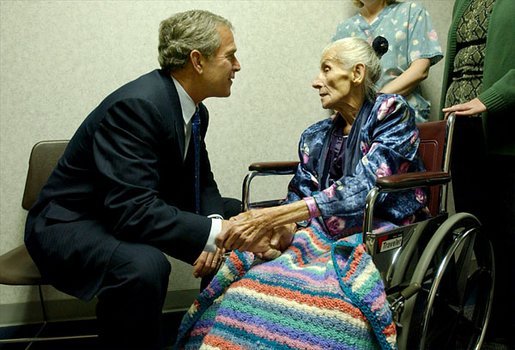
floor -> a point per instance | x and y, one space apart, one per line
86 327
171 322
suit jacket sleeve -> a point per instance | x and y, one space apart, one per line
127 148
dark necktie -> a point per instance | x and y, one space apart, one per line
196 146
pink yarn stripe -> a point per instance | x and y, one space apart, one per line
266 334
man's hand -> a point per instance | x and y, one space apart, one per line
207 262
470 108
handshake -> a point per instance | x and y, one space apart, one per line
254 231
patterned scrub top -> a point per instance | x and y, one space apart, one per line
410 34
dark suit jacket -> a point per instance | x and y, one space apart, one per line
122 177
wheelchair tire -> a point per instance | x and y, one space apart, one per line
456 271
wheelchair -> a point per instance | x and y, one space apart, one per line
438 273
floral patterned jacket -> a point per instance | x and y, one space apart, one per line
388 142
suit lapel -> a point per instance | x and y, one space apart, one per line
174 105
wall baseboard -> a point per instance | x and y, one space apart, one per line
75 309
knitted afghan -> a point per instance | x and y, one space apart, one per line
319 294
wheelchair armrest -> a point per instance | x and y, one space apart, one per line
399 182
411 180
274 167
265 169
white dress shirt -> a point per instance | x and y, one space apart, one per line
188 110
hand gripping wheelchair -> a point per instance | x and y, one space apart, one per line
438 273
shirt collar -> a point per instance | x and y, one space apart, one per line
187 105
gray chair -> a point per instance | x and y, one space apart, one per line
16 266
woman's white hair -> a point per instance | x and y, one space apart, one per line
358 3
187 31
348 52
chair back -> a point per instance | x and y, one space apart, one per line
43 159
16 265
435 150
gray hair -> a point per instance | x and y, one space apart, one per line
187 31
351 51
358 3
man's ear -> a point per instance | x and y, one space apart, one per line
358 73
196 61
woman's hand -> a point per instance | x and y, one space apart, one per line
208 262
467 109
249 231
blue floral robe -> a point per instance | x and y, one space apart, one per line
387 137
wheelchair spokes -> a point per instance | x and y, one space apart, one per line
457 288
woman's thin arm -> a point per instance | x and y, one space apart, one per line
405 83
253 230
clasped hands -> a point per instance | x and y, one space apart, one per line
255 232
251 231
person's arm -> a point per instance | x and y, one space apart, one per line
405 83
498 97
501 95
422 50
126 152
254 230
467 109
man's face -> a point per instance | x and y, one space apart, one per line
333 83
221 67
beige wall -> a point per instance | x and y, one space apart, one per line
58 59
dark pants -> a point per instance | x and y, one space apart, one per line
132 295
485 186
468 165
499 224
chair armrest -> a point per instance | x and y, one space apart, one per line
274 167
399 182
411 180
265 169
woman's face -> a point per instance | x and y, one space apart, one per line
334 84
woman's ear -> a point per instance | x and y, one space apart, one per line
196 61
358 73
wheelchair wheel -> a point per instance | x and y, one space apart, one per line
456 273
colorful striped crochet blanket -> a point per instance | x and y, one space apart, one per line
319 294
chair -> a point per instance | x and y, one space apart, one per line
16 266
438 273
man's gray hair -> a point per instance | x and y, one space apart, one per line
187 31
350 51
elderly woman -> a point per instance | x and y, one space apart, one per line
413 46
323 291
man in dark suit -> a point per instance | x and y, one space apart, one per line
125 190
